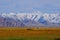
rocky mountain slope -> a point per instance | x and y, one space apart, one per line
35 19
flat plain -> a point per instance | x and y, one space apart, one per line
29 33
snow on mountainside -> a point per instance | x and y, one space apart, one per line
35 19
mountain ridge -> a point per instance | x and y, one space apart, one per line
30 19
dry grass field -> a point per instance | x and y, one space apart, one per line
32 33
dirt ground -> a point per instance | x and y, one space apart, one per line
7 32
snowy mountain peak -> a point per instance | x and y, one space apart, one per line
33 19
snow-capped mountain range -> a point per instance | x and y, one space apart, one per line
35 19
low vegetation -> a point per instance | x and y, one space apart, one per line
29 34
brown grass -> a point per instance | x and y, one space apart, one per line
7 32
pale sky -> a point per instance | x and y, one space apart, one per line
46 6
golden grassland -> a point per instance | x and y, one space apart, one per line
18 32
